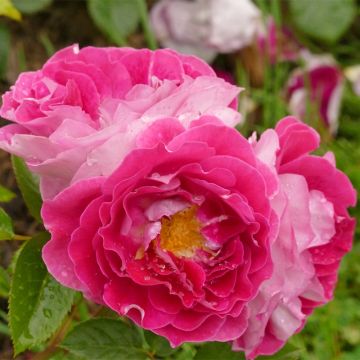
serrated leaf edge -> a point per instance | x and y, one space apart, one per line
48 334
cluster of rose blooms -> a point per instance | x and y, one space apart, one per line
208 27
159 209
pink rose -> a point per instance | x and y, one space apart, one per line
176 238
315 232
91 104
206 27
278 43
319 87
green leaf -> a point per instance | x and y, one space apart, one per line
8 9
324 20
31 6
116 18
6 228
5 194
4 329
29 187
63 355
219 351
105 339
187 351
37 303
158 344
4 51
4 283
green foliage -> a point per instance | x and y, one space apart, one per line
218 350
105 339
186 352
37 303
4 49
6 228
64 355
6 195
8 9
158 345
31 6
347 155
324 20
4 283
288 352
116 18
29 187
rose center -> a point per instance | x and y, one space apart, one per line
180 233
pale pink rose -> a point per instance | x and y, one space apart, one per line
278 43
314 234
317 89
206 27
88 105
176 238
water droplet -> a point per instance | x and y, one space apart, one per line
227 196
198 198
91 161
146 278
47 313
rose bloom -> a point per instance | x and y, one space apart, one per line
315 231
202 235
91 104
206 27
319 87
176 238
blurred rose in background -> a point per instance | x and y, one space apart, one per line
316 90
204 27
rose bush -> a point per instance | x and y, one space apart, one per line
314 234
87 105
160 210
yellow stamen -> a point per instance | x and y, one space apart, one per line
180 233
